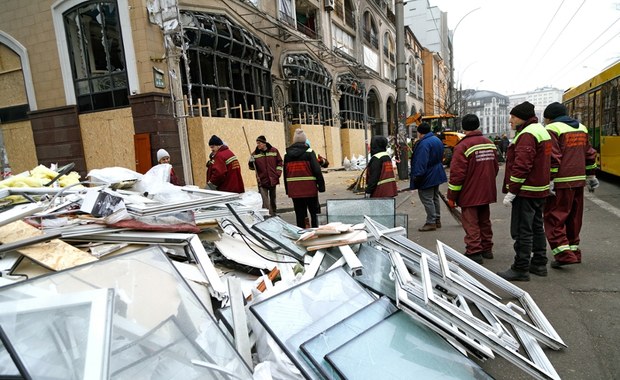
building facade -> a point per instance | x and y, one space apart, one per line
106 83
540 98
492 110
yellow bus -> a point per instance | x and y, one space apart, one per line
596 104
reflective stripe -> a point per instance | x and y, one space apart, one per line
279 168
479 147
294 179
574 247
560 249
537 130
560 128
591 167
231 159
380 154
386 181
517 180
554 170
569 179
535 188
455 187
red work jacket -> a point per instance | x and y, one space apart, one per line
383 185
224 171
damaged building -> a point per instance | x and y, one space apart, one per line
110 82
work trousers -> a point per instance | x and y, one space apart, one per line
478 232
430 200
269 198
563 219
302 207
527 231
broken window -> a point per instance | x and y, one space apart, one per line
351 101
370 30
310 89
96 53
226 64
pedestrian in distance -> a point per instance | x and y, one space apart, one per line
573 163
472 187
303 180
526 185
504 146
380 177
267 163
427 173
223 169
163 157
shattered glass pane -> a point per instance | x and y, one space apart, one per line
405 350
300 313
376 273
159 328
319 346
352 211
281 233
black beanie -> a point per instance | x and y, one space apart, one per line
555 110
424 128
214 140
523 111
470 122
262 139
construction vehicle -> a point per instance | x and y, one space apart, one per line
449 138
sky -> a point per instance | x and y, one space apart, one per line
516 46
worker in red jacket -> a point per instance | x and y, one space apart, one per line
573 162
267 163
473 169
526 185
380 178
223 169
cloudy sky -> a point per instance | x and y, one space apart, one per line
514 46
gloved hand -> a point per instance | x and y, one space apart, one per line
211 186
251 158
366 195
508 199
592 182
552 188
451 203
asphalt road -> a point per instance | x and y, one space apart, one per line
581 301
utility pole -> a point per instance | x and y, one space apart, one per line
401 91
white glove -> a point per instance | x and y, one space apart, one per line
551 188
366 195
251 158
592 182
508 199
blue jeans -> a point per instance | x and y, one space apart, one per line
430 200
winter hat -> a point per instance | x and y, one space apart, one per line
262 139
555 110
424 128
161 154
470 122
214 140
523 111
300 136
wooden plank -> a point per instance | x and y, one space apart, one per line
55 254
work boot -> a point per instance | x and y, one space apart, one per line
438 223
487 255
476 257
578 255
428 227
539 270
514 275
564 258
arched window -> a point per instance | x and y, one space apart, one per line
411 83
226 63
94 38
310 89
370 31
351 102
389 58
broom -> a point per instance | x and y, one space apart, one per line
456 214
359 184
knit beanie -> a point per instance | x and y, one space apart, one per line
424 128
161 154
523 111
300 136
262 139
555 110
214 140
470 122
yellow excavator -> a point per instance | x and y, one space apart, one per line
449 138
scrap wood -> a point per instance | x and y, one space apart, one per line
262 286
327 241
55 254
334 228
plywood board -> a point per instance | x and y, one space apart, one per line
55 254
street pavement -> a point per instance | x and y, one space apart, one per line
580 301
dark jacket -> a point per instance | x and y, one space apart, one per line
302 174
528 161
473 170
426 163
268 166
224 171
572 156
380 178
